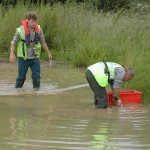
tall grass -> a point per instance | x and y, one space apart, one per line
83 37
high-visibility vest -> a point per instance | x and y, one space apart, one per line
98 71
25 40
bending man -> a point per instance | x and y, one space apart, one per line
100 74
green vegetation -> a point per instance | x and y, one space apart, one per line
83 36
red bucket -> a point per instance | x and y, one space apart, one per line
128 96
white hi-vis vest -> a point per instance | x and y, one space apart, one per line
98 70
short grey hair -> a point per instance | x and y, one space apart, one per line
130 71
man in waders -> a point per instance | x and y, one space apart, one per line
100 74
28 40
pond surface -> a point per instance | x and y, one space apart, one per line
61 115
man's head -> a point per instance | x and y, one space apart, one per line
129 74
32 19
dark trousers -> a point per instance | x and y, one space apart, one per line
100 94
23 66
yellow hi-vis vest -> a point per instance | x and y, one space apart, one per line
98 71
22 47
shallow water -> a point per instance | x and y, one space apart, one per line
58 117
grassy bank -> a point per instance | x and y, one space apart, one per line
83 37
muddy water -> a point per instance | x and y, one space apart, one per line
55 119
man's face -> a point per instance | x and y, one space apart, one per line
31 23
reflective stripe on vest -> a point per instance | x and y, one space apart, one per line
99 73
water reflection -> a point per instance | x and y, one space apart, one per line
124 131
102 137
38 127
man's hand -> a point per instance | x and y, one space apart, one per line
114 98
49 56
44 45
116 92
119 102
12 58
